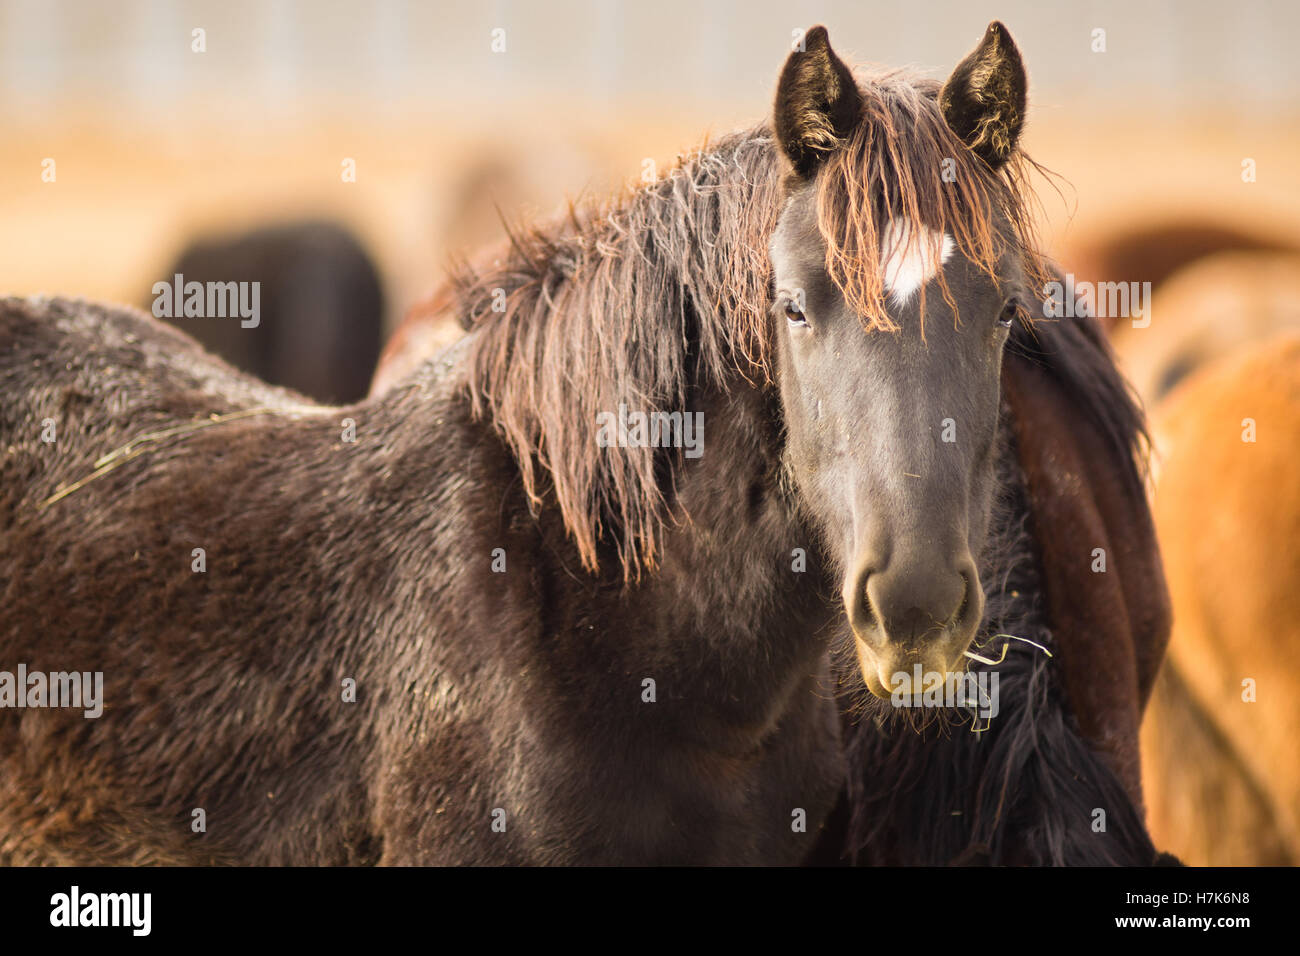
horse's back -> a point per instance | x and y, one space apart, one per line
109 352
79 379
1229 436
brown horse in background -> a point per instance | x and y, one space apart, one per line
1205 311
1220 748
1154 252
1209 802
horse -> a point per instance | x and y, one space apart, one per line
1143 251
321 305
511 610
1205 311
1220 794
1073 474
1219 748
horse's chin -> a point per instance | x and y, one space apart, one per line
881 674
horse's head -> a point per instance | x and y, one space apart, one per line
899 268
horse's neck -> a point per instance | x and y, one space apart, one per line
734 616
739 600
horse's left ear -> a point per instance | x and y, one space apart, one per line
984 99
818 103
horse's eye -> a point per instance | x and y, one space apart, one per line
1009 313
795 314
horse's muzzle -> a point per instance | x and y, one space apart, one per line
908 615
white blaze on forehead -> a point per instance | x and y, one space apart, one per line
907 261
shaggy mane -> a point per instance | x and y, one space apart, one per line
904 162
667 287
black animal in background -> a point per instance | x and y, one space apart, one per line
320 327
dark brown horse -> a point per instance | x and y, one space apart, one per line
492 615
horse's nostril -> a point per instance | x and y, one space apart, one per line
863 613
868 609
964 607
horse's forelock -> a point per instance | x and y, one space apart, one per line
902 161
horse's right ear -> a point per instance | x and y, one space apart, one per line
817 103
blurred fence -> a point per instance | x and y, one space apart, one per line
451 110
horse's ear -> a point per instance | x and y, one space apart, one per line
818 103
984 99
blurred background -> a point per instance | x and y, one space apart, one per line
155 143
348 149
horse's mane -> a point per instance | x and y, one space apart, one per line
666 287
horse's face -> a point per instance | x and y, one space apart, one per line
891 424
890 440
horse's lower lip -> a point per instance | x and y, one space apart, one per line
880 675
